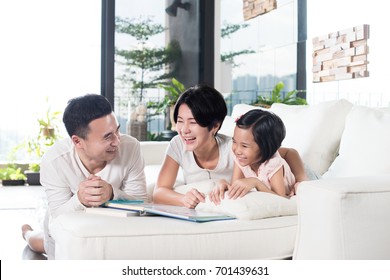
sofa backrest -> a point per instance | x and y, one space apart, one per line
364 148
153 152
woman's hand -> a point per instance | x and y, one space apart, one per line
193 198
218 193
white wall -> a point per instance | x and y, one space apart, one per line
333 15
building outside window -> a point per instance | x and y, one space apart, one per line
271 43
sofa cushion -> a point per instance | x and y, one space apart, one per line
240 109
254 205
364 147
314 130
228 126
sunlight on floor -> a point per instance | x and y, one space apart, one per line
18 206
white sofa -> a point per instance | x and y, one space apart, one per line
344 215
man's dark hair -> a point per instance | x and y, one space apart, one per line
80 111
206 103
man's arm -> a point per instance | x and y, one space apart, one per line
61 198
134 182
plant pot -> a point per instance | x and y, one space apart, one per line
33 178
13 182
137 125
48 132
167 135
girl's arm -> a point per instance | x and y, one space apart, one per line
277 183
295 162
163 192
241 186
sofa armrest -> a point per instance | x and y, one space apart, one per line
153 151
344 218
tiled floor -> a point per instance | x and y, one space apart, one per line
19 205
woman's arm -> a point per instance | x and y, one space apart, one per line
164 193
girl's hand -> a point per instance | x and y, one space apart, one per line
192 198
294 189
218 193
241 187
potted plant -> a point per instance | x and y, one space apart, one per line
167 105
36 146
276 97
12 175
145 67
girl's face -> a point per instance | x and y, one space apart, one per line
192 134
245 148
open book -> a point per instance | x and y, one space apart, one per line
177 212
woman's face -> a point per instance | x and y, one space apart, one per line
245 148
192 134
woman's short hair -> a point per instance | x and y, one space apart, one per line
80 111
267 128
206 103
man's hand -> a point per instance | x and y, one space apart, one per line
94 191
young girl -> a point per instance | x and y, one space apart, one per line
257 163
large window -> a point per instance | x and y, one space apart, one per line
135 49
49 49
155 41
267 50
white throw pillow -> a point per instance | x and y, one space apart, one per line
314 130
240 109
365 144
228 126
254 205
229 123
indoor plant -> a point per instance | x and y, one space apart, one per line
47 134
167 104
12 175
276 97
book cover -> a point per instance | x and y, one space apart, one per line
124 204
177 212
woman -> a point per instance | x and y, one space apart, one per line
199 150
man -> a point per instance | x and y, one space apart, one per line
94 165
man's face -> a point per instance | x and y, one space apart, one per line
102 141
